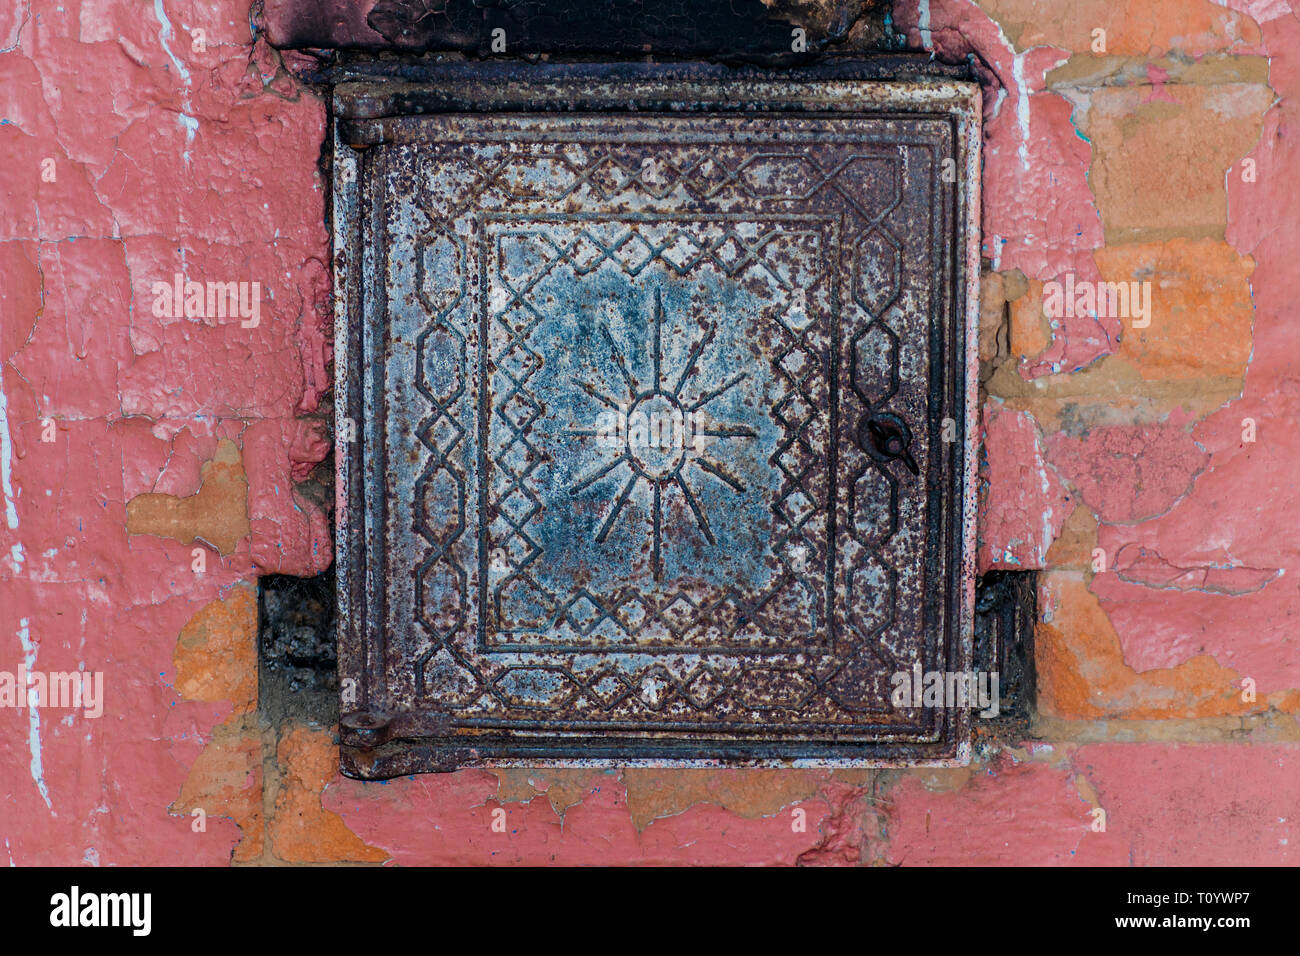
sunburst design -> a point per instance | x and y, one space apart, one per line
662 468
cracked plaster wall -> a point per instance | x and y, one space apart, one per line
152 466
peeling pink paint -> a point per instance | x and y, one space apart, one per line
1024 502
1164 805
455 826
169 160
1216 573
1196 804
1128 473
1252 633
1157 77
1018 814
1039 214
139 193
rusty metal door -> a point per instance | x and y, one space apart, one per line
660 421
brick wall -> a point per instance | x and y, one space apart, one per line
155 463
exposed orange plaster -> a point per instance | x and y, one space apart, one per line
217 514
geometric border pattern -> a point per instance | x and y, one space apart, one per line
677 705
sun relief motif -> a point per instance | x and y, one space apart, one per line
664 430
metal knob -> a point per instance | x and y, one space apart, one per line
886 437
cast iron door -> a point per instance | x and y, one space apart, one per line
659 423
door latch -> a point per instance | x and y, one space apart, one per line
886 437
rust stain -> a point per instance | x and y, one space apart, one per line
216 515
830 18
